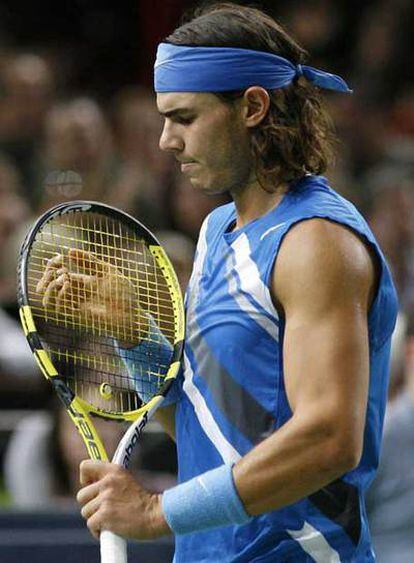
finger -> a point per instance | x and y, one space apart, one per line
75 290
48 276
94 525
93 470
89 509
52 265
62 270
52 287
88 262
63 298
88 493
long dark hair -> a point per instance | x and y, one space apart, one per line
296 136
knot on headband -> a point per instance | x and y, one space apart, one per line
220 69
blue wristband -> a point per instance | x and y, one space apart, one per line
139 362
207 501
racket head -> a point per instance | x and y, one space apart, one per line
75 349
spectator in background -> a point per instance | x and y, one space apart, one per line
144 173
380 65
314 23
401 125
14 212
392 220
390 500
18 372
382 56
27 84
78 139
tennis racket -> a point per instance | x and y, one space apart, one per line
102 310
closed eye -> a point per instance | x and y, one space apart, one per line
184 120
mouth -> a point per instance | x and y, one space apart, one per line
187 166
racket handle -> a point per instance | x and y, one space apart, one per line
113 548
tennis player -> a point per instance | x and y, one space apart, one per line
290 311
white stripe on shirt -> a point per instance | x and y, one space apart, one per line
249 275
314 544
228 453
207 422
246 305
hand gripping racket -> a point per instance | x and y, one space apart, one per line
102 310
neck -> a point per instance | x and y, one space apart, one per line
254 201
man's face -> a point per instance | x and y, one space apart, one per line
209 139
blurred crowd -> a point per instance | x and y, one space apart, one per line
59 144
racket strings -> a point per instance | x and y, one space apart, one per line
147 284
145 272
111 292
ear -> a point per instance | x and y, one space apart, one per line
256 102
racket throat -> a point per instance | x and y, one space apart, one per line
124 452
86 429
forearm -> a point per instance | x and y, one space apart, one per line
294 462
147 364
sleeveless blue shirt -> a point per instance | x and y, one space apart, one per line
234 395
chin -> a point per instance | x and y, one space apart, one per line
199 185
206 188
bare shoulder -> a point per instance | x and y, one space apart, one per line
320 261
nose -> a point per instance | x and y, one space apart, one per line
170 141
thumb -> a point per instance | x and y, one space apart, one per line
91 470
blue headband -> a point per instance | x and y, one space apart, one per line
221 69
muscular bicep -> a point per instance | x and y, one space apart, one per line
324 280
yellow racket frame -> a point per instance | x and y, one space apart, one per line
80 411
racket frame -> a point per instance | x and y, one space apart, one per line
113 548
